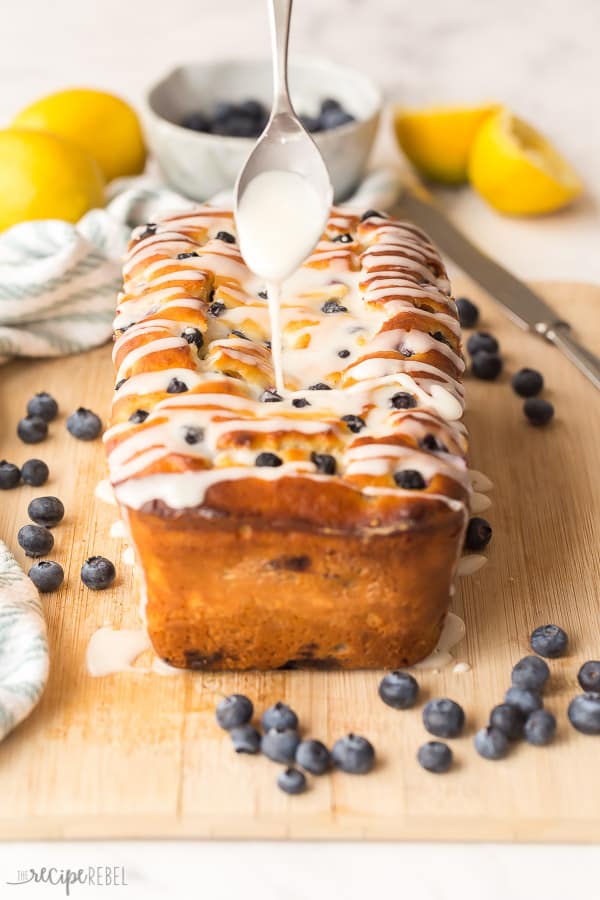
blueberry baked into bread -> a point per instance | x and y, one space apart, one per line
321 528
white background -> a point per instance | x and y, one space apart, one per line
541 57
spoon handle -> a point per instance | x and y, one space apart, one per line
280 12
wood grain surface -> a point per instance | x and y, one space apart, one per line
140 755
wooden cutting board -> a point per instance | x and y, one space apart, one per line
140 755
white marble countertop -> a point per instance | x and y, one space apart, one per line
541 58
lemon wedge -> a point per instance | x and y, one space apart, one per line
102 124
438 140
517 170
43 176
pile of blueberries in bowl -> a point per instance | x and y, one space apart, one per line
248 118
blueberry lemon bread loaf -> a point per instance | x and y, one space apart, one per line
319 528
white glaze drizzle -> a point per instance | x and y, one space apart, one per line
386 273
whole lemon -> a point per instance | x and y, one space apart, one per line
43 176
104 125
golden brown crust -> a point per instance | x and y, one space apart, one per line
285 598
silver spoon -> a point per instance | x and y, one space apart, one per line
284 144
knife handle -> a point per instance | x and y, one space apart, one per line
587 362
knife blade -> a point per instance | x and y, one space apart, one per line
526 308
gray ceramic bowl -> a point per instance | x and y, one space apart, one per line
200 165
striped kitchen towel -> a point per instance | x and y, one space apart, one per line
58 282
23 644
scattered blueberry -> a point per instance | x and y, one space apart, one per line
192 434
589 675
234 710
531 673
216 309
479 534
47 511
403 400
120 383
313 756
324 462
443 718
353 754
538 411
279 716
47 576
292 781
319 386
176 386
270 395
35 540
354 423
468 313
540 727
486 366
527 382
509 719
334 118
249 117
84 424
491 743
343 354
268 459
35 472
44 406
195 122
310 123
481 340
584 713
300 402
370 214
330 103
148 231
139 416
280 744
332 306
434 756
193 336
245 738
343 238
409 479
226 237
441 337
549 641
525 700
189 255
253 108
399 690
10 475
32 430
431 443
98 573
